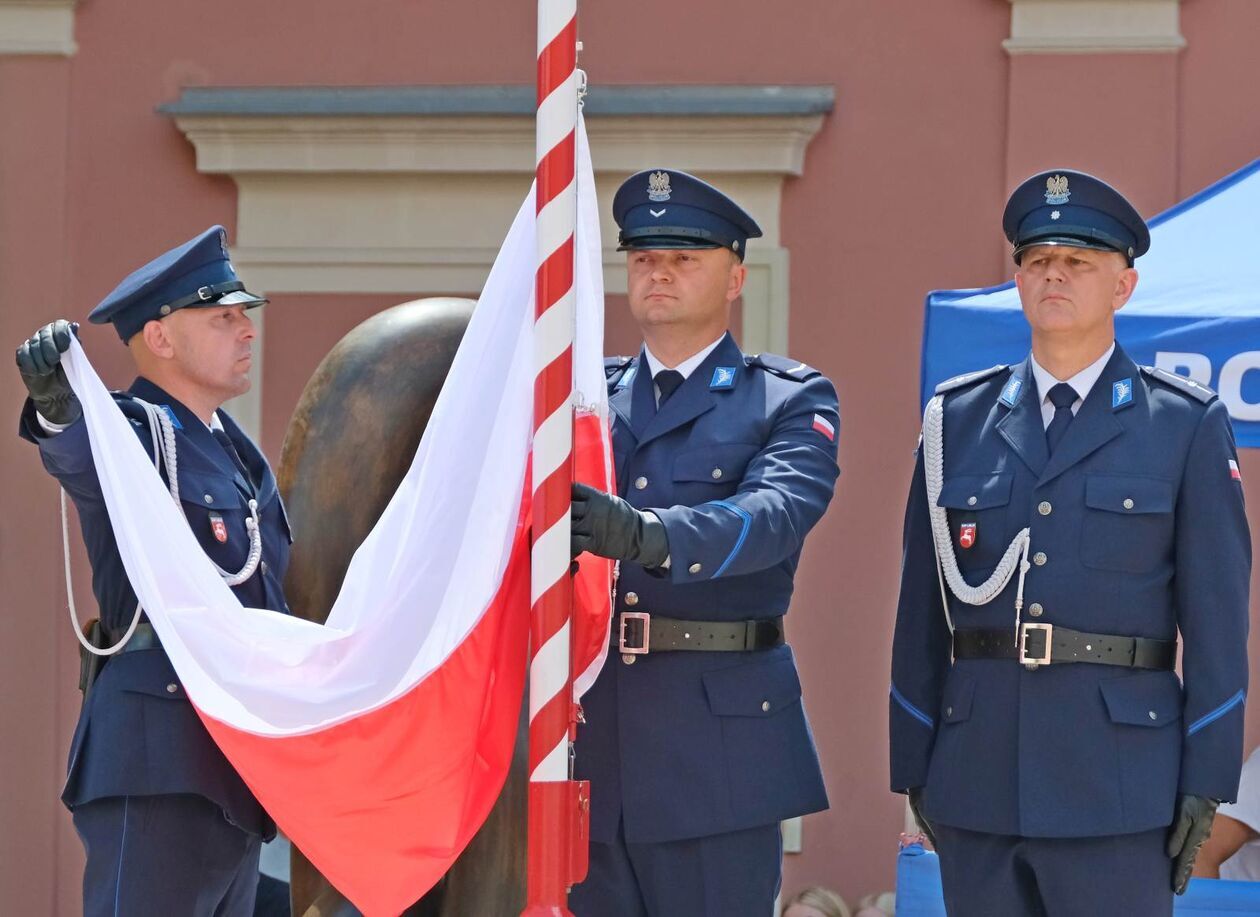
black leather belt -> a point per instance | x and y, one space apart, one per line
640 633
1046 644
145 638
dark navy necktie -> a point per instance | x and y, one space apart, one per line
1062 396
667 382
226 442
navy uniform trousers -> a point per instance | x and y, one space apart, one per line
163 816
1051 789
695 757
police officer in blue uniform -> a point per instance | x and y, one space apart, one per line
167 824
1069 516
695 739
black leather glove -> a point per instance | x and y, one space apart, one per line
916 800
1190 829
611 527
39 362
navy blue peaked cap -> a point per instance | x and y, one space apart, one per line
667 209
197 273
1063 207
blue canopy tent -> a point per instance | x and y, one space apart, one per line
1196 310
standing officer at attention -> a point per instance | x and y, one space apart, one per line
168 826
695 739
1068 517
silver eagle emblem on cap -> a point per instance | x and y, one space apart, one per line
1057 189
658 187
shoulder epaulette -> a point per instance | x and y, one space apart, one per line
1182 384
966 379
615 368
614 365
783 367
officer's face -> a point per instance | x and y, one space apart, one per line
209 348
1073 291
685 287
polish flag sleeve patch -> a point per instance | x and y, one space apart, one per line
825 427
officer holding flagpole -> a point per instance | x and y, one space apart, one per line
1070 517
695 737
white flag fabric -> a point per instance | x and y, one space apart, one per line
379 740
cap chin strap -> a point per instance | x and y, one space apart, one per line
947 571
164 451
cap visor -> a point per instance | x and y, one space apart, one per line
1066 242
239 298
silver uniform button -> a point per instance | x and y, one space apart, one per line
1044 508
765 706
1152 714
1035 609
949 711
971 501
172 688
1040 558
1128 503
262 566
640 483
208 498
694 568
632 598
717 473
628 658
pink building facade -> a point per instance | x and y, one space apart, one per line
875 142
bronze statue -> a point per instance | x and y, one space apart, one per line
350 442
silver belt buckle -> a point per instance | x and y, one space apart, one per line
646 619
1033 661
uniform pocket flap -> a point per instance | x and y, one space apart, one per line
209 491
1126 493
1146 699
145 672
717 463
976 491
956 703
753 689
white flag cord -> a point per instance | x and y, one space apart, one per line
947 571
164 451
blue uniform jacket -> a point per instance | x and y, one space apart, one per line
738 467
136 736
1139 515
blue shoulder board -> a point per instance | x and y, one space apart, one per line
783 367
966 379
1181 383
614 365
615 371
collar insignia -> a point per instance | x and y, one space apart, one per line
1010 394
723 377
1121 393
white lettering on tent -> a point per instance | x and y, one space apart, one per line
1230 388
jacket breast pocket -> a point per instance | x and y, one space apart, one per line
216 513
977 507
1128 524
713 470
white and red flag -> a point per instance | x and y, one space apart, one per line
380 740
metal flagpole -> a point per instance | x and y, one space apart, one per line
557 851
